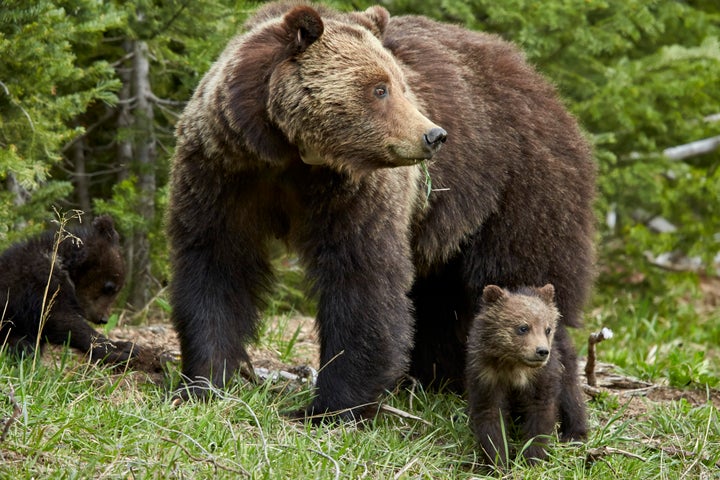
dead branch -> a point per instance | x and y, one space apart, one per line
594 338
678 452
402 414
595 454
13 417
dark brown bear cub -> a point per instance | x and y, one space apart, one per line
80 285
513 371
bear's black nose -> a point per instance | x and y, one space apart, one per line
435 137
542 352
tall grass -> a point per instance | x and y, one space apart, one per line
88 421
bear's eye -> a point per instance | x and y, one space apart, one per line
109 288
523 329
548 330
380 91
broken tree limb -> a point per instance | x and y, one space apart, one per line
693 149
594 338
13 417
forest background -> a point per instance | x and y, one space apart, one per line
90 91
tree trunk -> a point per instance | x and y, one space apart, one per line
144 168
136 153
82 185
124 152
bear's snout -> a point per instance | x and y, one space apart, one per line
542 352
434 138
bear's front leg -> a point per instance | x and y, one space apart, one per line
539 421
215 295
489 421
358 261
62 325
365 330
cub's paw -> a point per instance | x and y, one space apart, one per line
110 352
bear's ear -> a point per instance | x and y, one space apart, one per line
547 293
105 226
492 293
375 19
305 26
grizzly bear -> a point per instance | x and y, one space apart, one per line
316 128
51 296
514 373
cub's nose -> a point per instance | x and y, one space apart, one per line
542 352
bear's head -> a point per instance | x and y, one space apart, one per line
520 325
330 90
98 271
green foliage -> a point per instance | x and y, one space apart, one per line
123 206
641 76
42 87
669 336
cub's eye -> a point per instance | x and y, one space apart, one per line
109 288
523 329
548 330
380 91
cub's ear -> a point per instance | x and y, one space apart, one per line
105 227
492 293
547 293
305 26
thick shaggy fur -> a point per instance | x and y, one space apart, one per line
310 128
82 285
514 371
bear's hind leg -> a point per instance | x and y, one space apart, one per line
443 317
573 414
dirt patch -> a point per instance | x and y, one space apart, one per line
637 397
161 348
710 288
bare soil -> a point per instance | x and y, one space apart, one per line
160 347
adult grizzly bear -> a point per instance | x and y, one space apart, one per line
311 127
514 371
77 284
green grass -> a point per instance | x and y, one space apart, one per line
85 421
661 333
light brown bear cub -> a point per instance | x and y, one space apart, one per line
513 371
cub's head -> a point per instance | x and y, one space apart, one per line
331 92
519 326
98 271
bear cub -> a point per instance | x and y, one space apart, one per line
514 371
82 284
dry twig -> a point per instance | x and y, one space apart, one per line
13 417
594 338
402 414
595 454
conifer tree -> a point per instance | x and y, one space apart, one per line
42 89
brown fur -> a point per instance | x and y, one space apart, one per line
82 285
514 373
309 128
